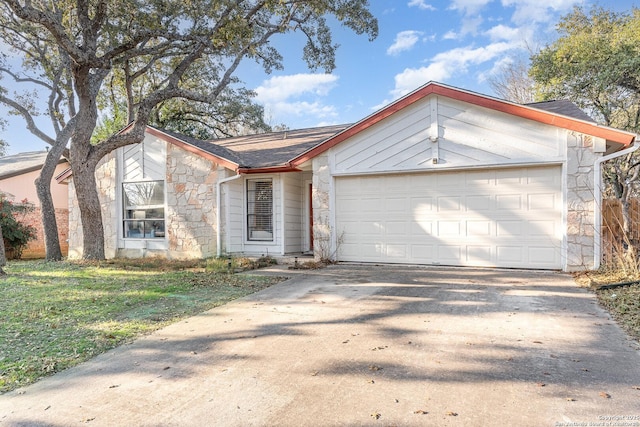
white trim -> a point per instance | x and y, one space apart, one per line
333 239
307 212
219 208
282 216
564 243
245 236
441 168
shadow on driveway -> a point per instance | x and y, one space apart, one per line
363 345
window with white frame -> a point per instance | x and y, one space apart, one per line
260 209
143 210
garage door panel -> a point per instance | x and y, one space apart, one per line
500 217
449 203
509 255
396 251
396 204
479 254
479 228
542 228
541 177
449 228
541 255
478 203
397 229
423 252
541 201
449 253
509 202
510 228
422 227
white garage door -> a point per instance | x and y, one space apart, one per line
497 217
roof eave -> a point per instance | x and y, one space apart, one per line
193 149
268 169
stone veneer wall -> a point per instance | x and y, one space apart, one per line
580 202
191 198
323 246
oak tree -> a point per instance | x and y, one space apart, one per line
154 48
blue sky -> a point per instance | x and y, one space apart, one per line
457 42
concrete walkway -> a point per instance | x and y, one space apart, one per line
363 345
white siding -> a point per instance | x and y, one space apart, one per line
144 161
235 217
293 212
236 238
467 136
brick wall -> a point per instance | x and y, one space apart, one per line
36 248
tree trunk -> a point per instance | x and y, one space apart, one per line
48 211
3 256
84 180
630 250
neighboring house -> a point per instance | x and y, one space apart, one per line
442 176
17 179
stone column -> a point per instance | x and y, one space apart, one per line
580 206
323 245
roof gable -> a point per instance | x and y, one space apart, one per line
522 111
437 131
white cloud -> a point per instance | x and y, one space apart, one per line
421 4
450 35
528 11
280 88
405 40
470 25
503 32
446 64
469 7
316 110
297 96
412 78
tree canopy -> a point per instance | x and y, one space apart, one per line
160 57
595 62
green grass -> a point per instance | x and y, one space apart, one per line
57 315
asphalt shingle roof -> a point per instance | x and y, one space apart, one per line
563 107
277 148
263 150
22 163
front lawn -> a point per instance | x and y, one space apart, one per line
56 315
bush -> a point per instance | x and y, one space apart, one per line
15 233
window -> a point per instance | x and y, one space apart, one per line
260 209
143 209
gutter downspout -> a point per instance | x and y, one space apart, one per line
597 198
218 211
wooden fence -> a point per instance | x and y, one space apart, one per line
612 241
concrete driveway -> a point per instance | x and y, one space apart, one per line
363 345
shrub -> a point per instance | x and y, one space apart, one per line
16 234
